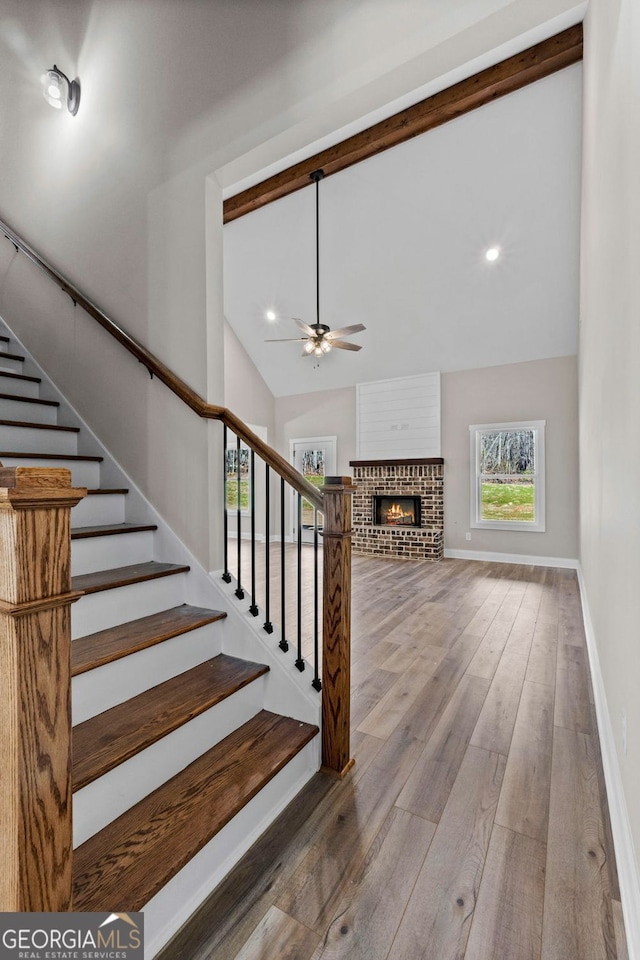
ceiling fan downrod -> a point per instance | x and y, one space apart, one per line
316 177
319 337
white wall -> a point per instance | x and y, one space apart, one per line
610 384
323 414
537 390
248 396
161 444
245 392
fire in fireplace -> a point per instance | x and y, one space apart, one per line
396 511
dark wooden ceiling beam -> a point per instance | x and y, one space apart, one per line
526 67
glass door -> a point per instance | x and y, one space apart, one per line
314 458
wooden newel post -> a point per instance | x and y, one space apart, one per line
336 616
35 693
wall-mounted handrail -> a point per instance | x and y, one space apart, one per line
170 379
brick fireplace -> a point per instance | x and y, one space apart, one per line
396 481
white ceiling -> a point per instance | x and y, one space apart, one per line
402 241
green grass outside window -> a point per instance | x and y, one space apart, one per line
508 501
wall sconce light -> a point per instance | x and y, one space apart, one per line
59 90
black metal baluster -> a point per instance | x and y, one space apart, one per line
239 590
268 626
283 642
316 683
253 609
226 576
300 661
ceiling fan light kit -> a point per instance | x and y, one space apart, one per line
319 338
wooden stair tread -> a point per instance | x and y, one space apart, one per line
19 376
110 529
110 738
96 649
123 576
10 356
105 491
38 426
14 396
127 862
15 454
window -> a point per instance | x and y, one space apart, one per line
507 476
233 463
232 476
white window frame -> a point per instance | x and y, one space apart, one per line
538 524
331 443
261 432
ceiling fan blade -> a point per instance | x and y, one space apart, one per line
345 331
287 340
343 345
304 326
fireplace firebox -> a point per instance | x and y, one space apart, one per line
392 511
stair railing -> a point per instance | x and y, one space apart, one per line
265 577
332 502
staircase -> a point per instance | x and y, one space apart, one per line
177 765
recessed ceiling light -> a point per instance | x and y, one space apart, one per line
492 254
270 315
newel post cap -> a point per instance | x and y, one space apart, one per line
38 486
338 484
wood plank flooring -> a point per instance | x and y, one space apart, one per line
474 824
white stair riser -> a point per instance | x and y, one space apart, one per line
21 388
98 611
98 690
91 554
82 474
30 412
12 366
99 508
165 913
107 798
32 440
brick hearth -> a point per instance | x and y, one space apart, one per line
423 478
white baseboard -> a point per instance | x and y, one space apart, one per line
566 562
628 868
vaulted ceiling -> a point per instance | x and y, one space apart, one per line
403 238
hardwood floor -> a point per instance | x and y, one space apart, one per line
474 824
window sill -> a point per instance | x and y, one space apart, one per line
508 525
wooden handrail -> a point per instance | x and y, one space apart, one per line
170 379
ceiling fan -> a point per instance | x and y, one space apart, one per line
320 338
